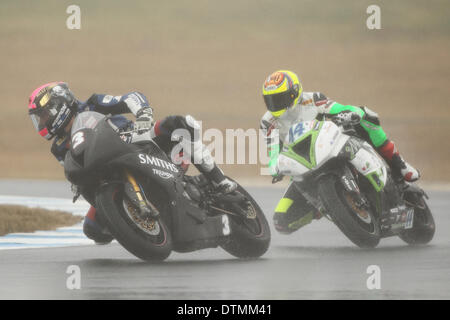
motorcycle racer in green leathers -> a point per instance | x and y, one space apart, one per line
287 104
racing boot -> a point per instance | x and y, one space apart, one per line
220 182
397 163
94 230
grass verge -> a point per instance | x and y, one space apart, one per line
15 218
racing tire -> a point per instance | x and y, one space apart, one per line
331 192
109 200
423 228
246 243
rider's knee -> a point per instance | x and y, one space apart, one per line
177 122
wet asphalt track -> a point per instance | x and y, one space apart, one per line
317 262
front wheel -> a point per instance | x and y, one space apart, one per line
148 239
358 224
250 232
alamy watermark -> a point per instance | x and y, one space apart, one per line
373 22
73 281
73 22
374 280
236 146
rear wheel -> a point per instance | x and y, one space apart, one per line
250 232
424 227
147 238
358 224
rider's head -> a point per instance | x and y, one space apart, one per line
281 91
51 108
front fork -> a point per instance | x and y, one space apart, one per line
349 182
137 197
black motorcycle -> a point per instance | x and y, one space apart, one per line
148 203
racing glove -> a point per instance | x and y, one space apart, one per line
144 120
348 117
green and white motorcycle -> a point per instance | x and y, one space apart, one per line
347 181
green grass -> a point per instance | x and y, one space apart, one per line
15 219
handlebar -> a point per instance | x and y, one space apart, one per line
130 132
277 178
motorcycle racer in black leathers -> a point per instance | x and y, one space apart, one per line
53 107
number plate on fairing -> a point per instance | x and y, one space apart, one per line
398 218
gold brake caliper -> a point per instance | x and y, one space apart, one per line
361 212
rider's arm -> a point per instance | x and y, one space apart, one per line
369 120
274 144
327 106
336 108
106 104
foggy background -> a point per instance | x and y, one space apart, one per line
210 58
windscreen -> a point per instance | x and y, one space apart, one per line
88 119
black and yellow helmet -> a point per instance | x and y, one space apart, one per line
281 90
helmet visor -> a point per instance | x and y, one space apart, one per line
41 118
279 101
